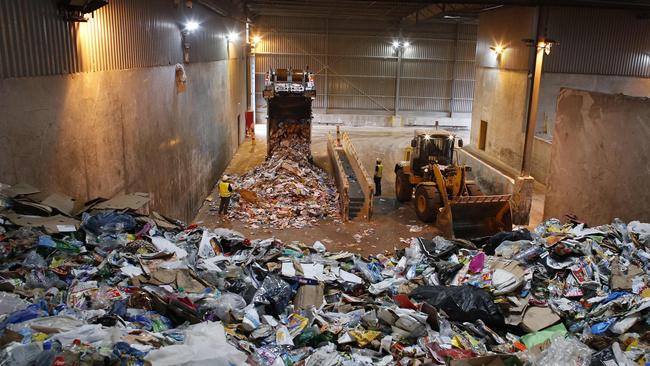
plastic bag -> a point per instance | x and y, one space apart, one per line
369 271
507 249
108 223
564 351
10 303
461 303
205 344
34 260
228 307
275 292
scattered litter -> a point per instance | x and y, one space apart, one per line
125 287
287 190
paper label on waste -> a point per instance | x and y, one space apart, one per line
66 228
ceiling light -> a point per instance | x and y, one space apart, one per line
257 39
407 43
395 44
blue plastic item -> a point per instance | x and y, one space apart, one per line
600 328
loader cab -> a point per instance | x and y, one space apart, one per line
432 148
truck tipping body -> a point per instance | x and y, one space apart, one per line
289 94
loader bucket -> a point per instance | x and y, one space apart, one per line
477 216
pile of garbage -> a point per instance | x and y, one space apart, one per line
287 190
122 287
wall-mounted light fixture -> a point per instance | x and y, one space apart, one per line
191 26
78 10
546 46
498 49
543 45
232 36
400 44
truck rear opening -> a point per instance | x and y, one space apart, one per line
289 94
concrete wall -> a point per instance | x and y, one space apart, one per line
500 96
553 82
541 158
500 99
458 120
600 158
102 133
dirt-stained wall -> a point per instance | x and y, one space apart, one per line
102 133
600 159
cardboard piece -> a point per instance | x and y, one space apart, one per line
20 189
133 201
61 202
537 318
308 296
29 207
51 224
248 196
620 280
162 221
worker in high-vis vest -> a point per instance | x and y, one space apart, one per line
379 170
225 191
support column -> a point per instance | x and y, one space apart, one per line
398 76
523 191
251 60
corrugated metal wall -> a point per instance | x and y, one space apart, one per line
356 66
36 41
599 41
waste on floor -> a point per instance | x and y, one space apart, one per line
110 285
287 190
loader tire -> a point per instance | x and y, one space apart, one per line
427 203
403 188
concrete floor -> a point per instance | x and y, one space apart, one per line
392 224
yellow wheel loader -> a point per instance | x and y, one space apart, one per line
443 194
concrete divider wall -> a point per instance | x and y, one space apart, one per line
102 133
367 184
489 179
340 177
600 158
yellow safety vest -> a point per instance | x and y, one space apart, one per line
224 189
380 170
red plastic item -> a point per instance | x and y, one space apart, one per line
404 302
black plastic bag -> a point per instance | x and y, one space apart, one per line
461 303
490 243
108 223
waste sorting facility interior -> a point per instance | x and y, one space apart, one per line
124 123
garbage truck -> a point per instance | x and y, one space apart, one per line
443 194
289 94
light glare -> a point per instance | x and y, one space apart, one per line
191 26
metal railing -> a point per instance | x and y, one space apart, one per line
366 183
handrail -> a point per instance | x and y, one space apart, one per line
340 177
366 183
